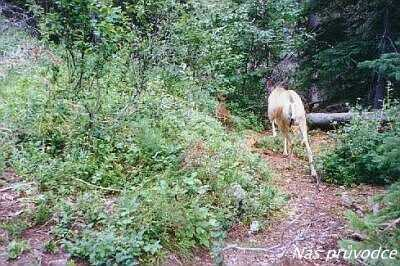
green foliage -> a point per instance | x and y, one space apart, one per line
42 212
387 64
271 143
14 227
355 46
379 229
180 195
125 137
16 247
226 46
120 129
85 26
365 152
230 46
51 247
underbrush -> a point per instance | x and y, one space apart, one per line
128 181
366 151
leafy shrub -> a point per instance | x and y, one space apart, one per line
366 151
131 182
171 202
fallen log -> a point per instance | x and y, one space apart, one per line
329 120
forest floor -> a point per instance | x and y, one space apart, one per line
17 199
310 221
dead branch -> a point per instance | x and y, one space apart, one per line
96 186
289 224
391 224
249 249
5 189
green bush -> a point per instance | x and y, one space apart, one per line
177 194
366 151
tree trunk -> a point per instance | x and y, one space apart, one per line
378 92
329 120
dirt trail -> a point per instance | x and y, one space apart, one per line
313 221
